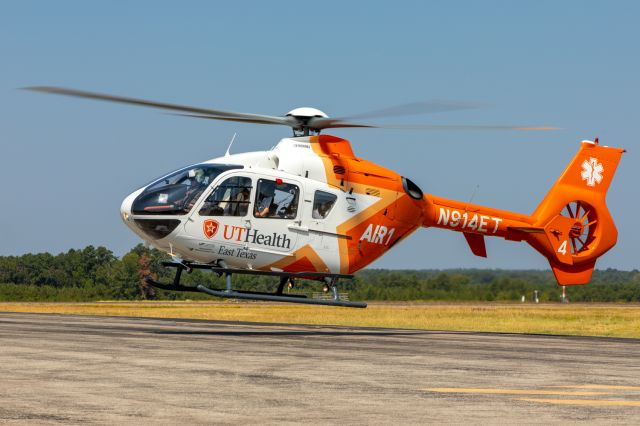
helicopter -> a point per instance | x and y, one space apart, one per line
309 208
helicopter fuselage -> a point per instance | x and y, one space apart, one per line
309 204
309 208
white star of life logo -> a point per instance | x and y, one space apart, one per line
592 171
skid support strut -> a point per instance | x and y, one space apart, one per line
278 296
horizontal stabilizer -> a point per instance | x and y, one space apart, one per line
526 229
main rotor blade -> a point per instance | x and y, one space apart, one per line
313 122
214 113
331 123
289 121
415 108
465 127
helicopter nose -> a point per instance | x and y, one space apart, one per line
125 207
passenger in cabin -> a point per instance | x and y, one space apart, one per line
320 210
242 202
276 200
264 206
322 204
265 199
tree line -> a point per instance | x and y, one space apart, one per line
94 273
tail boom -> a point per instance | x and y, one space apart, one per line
571 227
471 218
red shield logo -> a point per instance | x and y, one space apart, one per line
210 228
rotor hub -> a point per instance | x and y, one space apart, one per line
307 112
576 230
304 117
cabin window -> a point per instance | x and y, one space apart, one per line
323 202
276 199
231 198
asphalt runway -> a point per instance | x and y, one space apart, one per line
109 370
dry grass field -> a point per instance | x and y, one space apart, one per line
613 320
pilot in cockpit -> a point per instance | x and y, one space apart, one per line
197 182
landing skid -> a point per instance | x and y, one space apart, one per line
278 296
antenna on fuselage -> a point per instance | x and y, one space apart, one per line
473 195
226 154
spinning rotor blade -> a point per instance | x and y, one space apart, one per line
288 121
415 108
331 123
298 123
464 127
214 114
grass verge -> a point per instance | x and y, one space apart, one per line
612 320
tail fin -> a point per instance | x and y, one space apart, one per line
574 216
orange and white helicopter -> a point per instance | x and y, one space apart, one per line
311 209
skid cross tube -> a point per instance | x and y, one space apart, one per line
229 293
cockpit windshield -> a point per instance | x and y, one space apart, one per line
176 193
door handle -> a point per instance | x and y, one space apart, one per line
298 228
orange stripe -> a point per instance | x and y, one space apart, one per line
305 253
493 391
592 402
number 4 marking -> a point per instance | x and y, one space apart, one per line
563 248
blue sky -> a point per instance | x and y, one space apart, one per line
67 163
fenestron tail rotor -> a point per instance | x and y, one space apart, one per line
303 121
582 234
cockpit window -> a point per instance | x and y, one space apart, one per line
176 193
